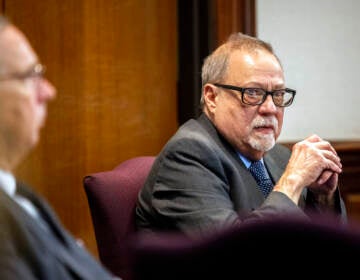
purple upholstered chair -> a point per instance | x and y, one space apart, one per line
112 197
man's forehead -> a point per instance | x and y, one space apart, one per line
254 68
16 53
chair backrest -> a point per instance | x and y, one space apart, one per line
112 198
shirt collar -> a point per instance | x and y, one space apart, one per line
7 182
247 161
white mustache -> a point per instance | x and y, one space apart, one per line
268 122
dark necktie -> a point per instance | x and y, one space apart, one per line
257 169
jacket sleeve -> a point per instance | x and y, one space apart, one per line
192 193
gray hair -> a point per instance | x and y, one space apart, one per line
4 22
215 65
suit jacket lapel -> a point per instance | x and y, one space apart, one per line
45 210
59 243
273 168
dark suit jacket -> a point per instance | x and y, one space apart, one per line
27 251
199 182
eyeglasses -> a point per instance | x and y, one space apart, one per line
37 71
256 96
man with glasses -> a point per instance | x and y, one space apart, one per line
225 168
34 244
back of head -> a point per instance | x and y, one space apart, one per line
214 68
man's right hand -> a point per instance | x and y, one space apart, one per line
314 163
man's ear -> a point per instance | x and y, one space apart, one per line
210 97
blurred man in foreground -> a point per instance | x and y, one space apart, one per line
34 244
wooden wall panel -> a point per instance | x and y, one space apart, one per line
203 26
234 16
114 64
349 180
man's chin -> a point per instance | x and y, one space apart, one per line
263 144
35 139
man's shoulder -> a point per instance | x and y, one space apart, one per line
193 138
193 130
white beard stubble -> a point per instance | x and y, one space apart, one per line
264 142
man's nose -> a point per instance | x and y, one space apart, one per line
268 106
46 90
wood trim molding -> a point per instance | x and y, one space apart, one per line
340 146
345 146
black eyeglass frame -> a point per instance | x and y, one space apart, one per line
37 70
242 89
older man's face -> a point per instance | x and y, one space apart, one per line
23 94
252 130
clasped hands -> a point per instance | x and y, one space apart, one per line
315 164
